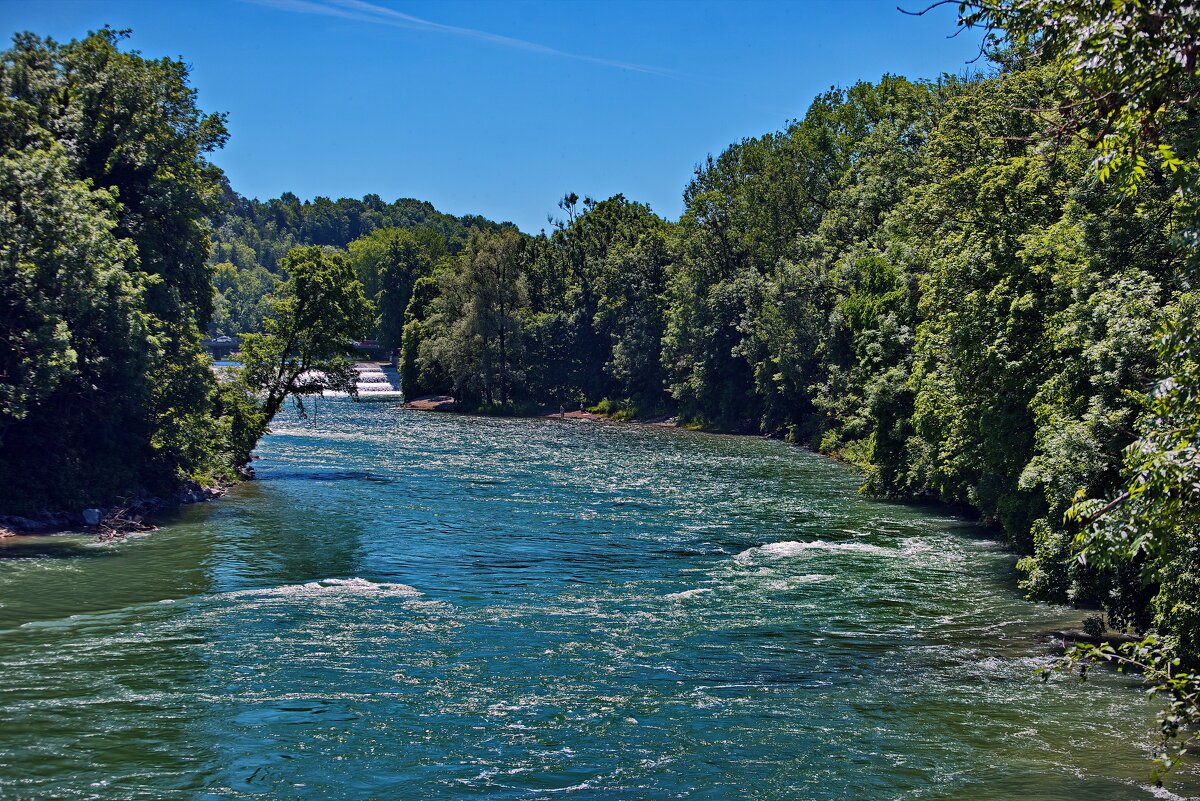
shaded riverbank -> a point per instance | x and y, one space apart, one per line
447 403
127 516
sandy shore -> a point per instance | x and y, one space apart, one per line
432 403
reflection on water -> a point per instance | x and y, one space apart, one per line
443 607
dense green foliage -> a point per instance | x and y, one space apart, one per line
106 288
391 245
1131 78
104 195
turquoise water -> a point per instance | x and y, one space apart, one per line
422 606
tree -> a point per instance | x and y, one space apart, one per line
1133 67
74 340
416 377
388 262
108 148
632 311
306 349
596 303
477 332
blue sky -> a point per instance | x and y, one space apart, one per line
501 108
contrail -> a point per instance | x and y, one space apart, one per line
362 11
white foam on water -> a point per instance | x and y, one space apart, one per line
362 393
788 548
807 578
1020 668
916 545
681 596
333 586
369 381
314 433
1161 792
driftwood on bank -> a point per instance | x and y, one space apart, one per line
120 522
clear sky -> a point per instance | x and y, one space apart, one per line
501 108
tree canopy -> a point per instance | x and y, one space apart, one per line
314 317
105 197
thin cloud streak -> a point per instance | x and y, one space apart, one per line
362 11
310 7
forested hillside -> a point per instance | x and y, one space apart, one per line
251 237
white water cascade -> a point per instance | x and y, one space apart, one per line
373 382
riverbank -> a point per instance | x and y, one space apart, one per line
447 403
560 583
432 403
111 521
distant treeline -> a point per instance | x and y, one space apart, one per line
251 237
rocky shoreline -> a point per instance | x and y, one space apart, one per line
111 522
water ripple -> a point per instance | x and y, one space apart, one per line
445 607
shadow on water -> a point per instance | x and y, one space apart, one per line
72 549
289 530
321 475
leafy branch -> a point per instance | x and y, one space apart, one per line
1163 677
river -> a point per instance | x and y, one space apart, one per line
422 606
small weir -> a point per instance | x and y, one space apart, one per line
373 382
